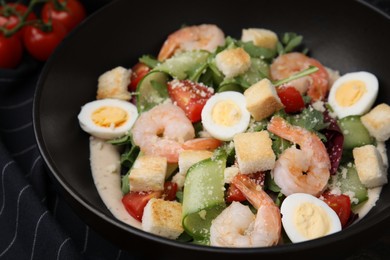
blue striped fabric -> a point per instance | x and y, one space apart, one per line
35 221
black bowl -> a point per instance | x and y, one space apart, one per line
347 35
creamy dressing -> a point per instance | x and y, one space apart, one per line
105 167
365 207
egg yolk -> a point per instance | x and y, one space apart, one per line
311 221
226 113
109 116
350 92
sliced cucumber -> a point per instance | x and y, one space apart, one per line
347 180
355 133
152 90
198 224
185 65
203 195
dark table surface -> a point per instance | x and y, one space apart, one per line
35 221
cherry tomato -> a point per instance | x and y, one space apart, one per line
170 189
11 51
341 204
70 16
234 194
41 44
10 19
138 71
189 96
291 99
135 202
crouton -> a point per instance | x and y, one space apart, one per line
254 152
377 122
114 84
148 173
163 218
262 100
260 37
369 166
233 62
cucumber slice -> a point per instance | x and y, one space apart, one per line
347 180
203 195
198 224
355 133
185 65
152 90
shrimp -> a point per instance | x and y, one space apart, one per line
304 170
202 143
202 37
237 226
316 85
162 131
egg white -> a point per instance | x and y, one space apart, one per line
221 132
290 205
87 124
361 106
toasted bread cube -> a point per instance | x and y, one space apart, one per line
233 62
148 173
377 122
187 158
114 84
163 218
260 37
254 152
262 100
369 166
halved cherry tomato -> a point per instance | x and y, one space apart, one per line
341 204
135 202
291 99
68 12
41 44
11 51
138 71
170 189
9 16
234 194
189 96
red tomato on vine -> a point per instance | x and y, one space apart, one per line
67 12
11 51
10 16
40 42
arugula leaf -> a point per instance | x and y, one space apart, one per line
129 156
289 42
309 119
126 139
149 61
256 51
